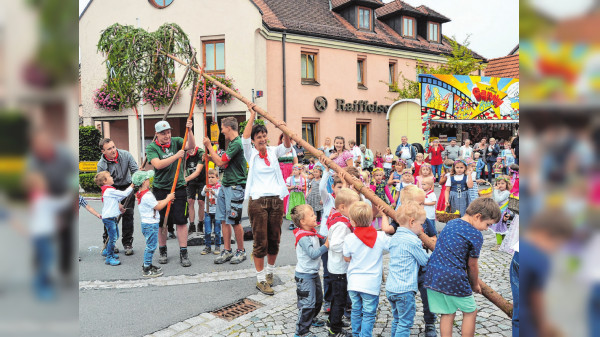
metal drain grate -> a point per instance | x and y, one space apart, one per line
237 309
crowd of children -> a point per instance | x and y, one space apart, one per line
351 247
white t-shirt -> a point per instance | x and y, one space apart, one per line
335 260
147 212
457 177
387 161
405 153
430 210
466 152
366 266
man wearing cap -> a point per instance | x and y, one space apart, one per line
121 165
163 154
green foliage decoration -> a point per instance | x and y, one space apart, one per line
89 137
460 62
136 59
244 123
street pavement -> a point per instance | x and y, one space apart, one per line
118 301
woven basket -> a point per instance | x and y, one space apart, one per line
445 216
513 203
485 191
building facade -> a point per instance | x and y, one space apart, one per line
323 66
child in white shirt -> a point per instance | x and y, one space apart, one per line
363 249
110 211
338 228
149 207
209 217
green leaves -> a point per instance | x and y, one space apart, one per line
135 59
89 138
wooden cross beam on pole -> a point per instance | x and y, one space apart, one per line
486 291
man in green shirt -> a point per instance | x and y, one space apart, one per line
231 195
163 154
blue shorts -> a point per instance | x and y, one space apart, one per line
229 204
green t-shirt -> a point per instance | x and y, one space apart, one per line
236 171
163 179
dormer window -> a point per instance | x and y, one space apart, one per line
408 27
364 18
433 31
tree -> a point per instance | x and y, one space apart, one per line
459 62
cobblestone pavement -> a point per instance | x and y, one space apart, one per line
278 314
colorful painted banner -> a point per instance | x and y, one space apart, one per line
461 97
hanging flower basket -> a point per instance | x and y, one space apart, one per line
107 98
222 96
160 96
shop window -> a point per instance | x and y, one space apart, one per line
433 32
408 27
364 18
214 56
308 67
310 132
360 73
362 133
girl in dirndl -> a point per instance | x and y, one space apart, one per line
446 167
501 195
296 184
457 187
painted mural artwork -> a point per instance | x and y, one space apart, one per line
464 97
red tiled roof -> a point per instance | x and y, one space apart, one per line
293 17
432 14
395 6
507 66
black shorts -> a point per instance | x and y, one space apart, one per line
178 213
194 191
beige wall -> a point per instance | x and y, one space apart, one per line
245 59
405 120
337 77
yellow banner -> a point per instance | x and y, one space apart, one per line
214 132
88 166
12 164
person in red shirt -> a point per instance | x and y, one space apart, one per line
435 151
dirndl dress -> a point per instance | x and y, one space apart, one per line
296 196
459 195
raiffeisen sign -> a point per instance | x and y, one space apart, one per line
355 106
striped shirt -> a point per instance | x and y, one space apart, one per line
82 202
406 255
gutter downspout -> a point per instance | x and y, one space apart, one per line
284 77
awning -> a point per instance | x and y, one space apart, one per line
475 121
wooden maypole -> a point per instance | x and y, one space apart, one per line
486 291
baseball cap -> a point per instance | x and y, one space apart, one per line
139 177
162 126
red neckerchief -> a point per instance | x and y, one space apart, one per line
163 147
265 157
139 195
335 217
104 188
368 235
300 233
428 193
189 155
214 187
116 160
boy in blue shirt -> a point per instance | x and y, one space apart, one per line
480 164
406 255
452 272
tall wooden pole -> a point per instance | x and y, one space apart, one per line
185 138
488 292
